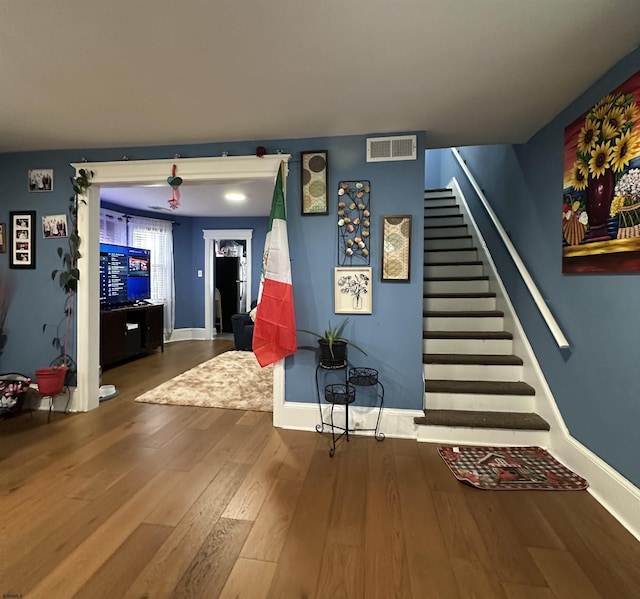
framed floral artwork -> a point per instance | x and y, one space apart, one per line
313 181
22 244
396 247
352 288
601 185
354 223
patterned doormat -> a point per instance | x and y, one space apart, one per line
510 468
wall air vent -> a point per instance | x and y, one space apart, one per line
385 149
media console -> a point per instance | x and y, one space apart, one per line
130 331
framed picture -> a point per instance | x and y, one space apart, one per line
354 223
22 244
3 238
313 181
54 226
352 287
396 247
41 179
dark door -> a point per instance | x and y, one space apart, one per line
226 276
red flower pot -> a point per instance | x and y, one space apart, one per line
50 380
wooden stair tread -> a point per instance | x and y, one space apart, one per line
479 294
445 237
481 419
456 249
465 263
478 387
480 359
464 313
452 279
466 335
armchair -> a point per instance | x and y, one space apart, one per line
242 327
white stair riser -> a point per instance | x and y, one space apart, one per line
459 303
472 372
454 435
430 211
444 221
463 323
496 347
451 256
453 270
436 231
456 286
439 201
447 243
472 401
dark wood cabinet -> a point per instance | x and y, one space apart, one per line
129 332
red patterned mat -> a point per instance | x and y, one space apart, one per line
510 468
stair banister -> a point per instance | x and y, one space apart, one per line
555 329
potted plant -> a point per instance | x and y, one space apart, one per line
333 346
53 378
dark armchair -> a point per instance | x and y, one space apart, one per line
242 327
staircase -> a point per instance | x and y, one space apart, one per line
474 390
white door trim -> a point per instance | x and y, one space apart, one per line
135 172
210 236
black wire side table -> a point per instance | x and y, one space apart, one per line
344 394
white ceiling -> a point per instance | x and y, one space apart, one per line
96 73
197 200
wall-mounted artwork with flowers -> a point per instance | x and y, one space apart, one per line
601 199
354 223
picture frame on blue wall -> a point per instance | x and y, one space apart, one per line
22 243
3 238
396 248
314 168
40 179
352 290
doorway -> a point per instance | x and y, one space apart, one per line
144 172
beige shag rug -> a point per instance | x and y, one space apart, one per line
233 380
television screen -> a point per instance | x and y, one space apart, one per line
125 274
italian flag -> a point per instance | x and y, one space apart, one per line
274 333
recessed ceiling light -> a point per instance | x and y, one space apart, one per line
235 197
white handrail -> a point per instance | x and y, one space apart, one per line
522 269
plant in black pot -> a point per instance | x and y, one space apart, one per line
62 370
333 346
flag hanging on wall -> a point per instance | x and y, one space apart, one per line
274 333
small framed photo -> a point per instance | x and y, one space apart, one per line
352 288
313 180
41 179
22 244
54 226
3 238
396 248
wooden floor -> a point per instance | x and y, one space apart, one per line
145 501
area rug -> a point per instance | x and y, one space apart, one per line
510 468
233 380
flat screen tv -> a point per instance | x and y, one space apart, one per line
125 275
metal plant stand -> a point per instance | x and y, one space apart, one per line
344 394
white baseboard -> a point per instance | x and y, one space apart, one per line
394 422
188 335
616 494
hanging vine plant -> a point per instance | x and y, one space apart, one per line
68 274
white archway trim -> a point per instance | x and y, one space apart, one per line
135 172
210 236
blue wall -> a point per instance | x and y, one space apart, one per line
391 335
595 383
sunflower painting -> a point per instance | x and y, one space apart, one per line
601 196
